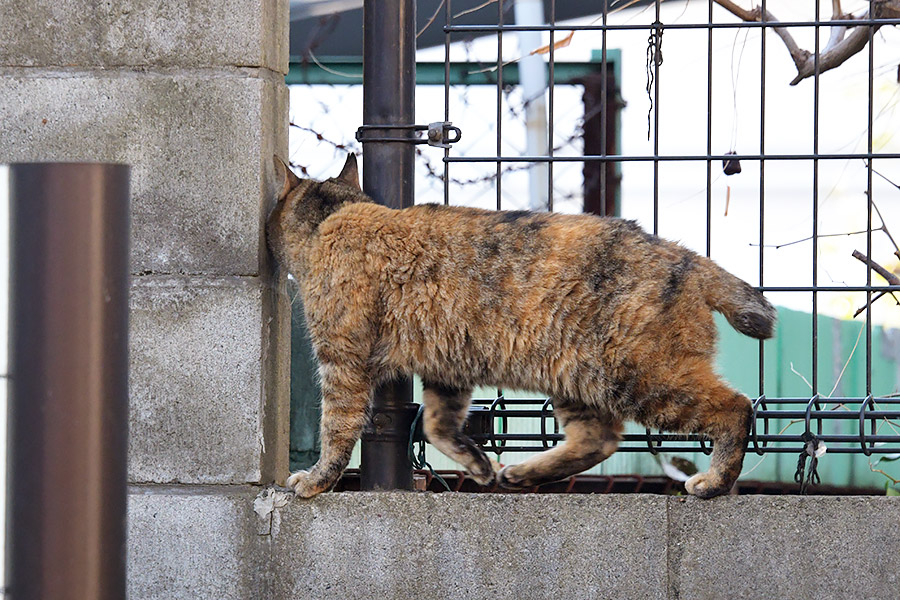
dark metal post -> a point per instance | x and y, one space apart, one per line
389 77
68 381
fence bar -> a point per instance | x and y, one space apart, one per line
389 77
68 381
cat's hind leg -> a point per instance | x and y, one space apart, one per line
702 403
346 394
445 413
727 422
591 437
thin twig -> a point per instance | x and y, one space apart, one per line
431 20
797 373
874 470
849 358
475 9
890 277
821 235
332 71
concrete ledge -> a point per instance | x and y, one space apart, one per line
208 543
784 547
193 543
196 408
200 142
471 546
134 33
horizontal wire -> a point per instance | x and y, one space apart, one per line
650 26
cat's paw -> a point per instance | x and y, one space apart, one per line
303 484
507 478
486 474
706 485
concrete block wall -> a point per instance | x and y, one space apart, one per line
192 95
407 545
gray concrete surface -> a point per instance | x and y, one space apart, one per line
201 146
785 547
412 546
135 32
194 543
195 411
191 95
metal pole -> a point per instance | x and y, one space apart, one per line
68 381
389 77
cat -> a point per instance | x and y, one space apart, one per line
611 322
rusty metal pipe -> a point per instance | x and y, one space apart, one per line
68 381
389 78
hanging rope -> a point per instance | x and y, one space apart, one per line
417 457
810 450
654 59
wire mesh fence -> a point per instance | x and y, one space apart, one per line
867 423
768 145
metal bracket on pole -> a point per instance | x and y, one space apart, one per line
438 134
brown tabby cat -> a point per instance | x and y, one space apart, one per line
612 322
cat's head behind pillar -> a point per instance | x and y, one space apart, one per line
303 204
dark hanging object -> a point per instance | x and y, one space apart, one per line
731 165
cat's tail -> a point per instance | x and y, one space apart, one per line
745 307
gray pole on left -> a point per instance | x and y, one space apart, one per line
68 381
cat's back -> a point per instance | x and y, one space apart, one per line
428 237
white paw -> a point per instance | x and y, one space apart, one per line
705 485
302 484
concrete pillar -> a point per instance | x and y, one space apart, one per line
192 95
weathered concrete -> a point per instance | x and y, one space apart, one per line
200 145
196 413
785 547
471 546
208 543
138 33
193 543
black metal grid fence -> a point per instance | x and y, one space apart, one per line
867 424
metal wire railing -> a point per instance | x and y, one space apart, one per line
846 425
866 424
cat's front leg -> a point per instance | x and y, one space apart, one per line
346 394
303 485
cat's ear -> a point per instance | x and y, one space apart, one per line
288 180
350 172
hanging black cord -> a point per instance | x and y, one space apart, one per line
654 58
417 457
810 445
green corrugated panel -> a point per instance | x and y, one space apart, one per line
738 360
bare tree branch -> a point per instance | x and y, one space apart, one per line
890 277
839 48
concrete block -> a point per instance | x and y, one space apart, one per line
784 547
87 33
409 545
203 542
196 407
193 543
200 143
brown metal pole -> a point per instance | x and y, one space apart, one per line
389 79
68 381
